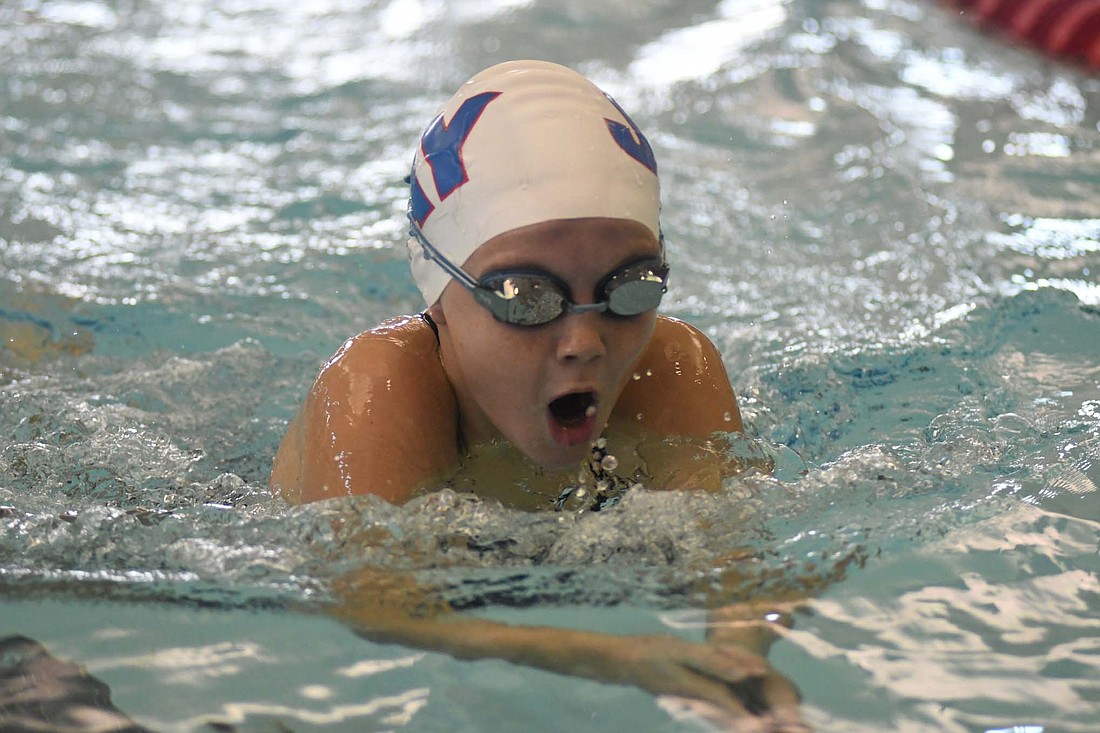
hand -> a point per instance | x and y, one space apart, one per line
724 685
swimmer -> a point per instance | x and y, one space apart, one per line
536 243
539 374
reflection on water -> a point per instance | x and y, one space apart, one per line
1005 612
700 50
885 219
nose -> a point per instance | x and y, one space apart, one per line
581 337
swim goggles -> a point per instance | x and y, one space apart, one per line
533 297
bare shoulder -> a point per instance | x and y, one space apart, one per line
390 349
380 419
680 386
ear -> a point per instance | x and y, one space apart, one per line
436 312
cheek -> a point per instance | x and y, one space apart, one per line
634 335
497 363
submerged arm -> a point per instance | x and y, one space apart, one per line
733 687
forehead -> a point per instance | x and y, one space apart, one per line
566 245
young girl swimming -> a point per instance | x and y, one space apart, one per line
539 374
536 243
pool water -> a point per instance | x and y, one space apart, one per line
887 221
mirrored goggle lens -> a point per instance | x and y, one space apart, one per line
522 300
636 289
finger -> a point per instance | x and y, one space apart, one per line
782 699
767 694
780 692
788 720
748 704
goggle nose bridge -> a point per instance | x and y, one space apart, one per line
571 307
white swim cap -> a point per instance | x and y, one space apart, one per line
521 143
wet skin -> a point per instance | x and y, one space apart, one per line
393 412
505 377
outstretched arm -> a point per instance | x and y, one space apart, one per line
726 683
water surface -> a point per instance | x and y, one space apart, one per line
886 220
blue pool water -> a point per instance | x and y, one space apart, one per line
888 222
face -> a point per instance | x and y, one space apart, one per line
549 389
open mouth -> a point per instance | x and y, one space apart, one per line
572 418
572 410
